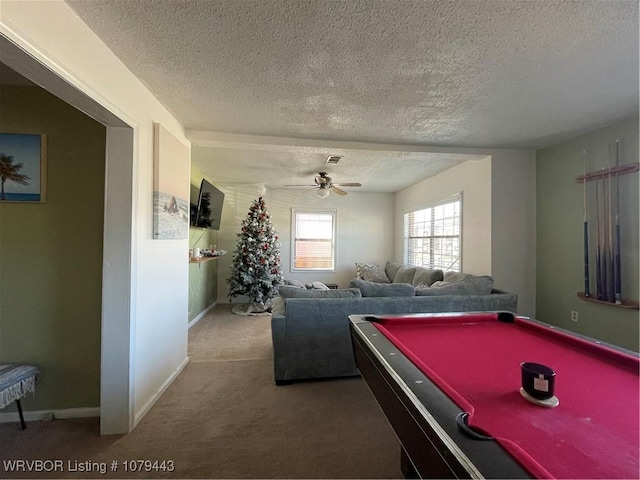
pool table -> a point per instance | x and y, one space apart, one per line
449 385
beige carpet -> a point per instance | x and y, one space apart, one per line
223 417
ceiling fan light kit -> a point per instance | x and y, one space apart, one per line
324 185
322 193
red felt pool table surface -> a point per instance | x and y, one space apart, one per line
475 359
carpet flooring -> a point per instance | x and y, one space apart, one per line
223 417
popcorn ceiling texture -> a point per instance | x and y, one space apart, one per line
498 74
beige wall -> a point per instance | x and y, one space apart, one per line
513 225
498 218
364 229
471 178
498 222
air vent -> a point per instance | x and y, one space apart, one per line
333 159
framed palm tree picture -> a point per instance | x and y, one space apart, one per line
23 167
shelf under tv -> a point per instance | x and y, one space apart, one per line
205 259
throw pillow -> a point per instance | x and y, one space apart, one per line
469 286
434 284
374 289
427 275
287 291
361 266
405 275
317 286
373 273
294 283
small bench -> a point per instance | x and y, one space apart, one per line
15 382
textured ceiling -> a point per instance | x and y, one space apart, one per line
276 166
523 74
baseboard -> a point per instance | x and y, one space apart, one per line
85 412
36 415
156 396
202 314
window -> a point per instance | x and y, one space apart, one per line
313 240
432 236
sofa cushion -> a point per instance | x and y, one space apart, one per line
405 275
316 286
288 291
391 268
455 276
374 289
427 276
471 285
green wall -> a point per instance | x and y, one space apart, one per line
51 254
203 277
560 252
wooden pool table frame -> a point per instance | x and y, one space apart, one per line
422 416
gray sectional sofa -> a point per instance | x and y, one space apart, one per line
310 327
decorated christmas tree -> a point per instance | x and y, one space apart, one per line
256 272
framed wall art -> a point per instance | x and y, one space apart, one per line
171 186
23 167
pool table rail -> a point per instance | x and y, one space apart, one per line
422 416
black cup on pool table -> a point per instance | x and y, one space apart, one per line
538 380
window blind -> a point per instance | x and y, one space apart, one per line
313 240
432 236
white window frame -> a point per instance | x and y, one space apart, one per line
457 266
334 215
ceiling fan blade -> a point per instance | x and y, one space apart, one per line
335 189
300 185
354 184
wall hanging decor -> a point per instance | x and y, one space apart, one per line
23 167
170 186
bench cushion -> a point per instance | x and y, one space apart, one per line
15 382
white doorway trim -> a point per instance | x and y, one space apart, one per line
116 377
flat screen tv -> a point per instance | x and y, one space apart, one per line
206 211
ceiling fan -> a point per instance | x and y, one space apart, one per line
324 185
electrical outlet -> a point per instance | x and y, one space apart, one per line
574 316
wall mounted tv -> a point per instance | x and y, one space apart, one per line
206 206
